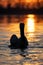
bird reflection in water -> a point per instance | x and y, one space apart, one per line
19 43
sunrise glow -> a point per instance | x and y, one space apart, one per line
29 3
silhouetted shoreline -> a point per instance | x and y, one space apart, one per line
17 10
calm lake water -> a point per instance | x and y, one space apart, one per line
9 25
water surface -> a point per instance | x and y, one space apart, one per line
9 25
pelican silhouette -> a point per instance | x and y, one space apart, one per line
19 43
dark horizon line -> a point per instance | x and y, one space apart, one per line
18 10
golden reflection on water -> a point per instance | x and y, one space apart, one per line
27 63
31 26
30 23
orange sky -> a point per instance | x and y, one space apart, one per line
12 2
